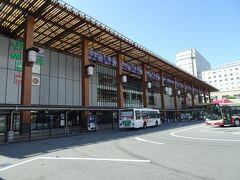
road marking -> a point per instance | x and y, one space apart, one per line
71 158
153 142
235 132
197 138
97 159
212 131
18 164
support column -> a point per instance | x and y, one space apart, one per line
199 96
162 90
175 94
205 98
119 81
144 85
193 104
85 82
185 96
26 89
210 101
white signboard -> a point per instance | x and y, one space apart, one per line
36 68
35 81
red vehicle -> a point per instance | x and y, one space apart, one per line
218 115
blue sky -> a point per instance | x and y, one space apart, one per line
169 26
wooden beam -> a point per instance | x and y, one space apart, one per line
193 104
85 82
185 96
162 90
144 85
119 81
175 94
26 89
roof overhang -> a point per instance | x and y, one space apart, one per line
61 27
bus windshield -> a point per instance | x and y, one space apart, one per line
214 112
127 114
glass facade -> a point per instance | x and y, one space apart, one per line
154 94
106 87
132 92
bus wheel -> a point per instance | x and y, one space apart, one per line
144 125
156 123
237 122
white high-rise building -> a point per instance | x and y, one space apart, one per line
192 62
226 78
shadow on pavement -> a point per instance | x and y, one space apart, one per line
39 147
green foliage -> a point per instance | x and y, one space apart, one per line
231 97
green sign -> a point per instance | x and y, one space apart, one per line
18 66
16 45
15 55
40 60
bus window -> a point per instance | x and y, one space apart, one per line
127 114
138 114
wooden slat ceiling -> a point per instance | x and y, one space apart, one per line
62 27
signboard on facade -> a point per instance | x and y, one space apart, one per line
18 66
16 45
35 81
36 68
18 78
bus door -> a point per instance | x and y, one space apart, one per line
226 115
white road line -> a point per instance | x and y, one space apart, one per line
153 142
71 158
196 138
96 159
212 131
18 164
235 132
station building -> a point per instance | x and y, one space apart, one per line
82 67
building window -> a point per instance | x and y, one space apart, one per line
106 87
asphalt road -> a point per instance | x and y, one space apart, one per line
173 151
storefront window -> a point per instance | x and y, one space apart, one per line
3 123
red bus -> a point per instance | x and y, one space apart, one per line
221 115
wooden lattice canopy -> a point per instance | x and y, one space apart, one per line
61 27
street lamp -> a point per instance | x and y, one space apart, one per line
149 85
90 69
124 78
32 54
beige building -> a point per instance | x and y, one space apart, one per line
226 78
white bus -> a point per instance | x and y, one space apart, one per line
138 118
